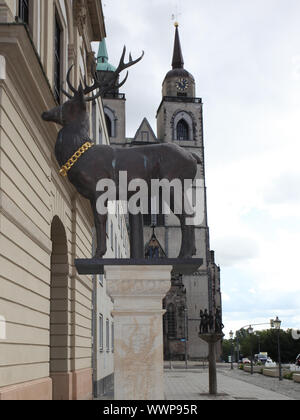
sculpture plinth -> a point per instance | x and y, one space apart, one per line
138 287
185 266
138 292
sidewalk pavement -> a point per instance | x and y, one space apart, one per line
192 384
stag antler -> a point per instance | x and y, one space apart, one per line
111 81
106 85
69 84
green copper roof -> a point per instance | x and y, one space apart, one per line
102 58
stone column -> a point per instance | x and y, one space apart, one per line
138 292
212 340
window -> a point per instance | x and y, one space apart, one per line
145 136
182 130
57 58
107 335
112 235
171 317
24 11
112 337
108 125
116 245
101 332
110 118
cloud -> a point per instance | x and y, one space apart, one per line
235 249
284 189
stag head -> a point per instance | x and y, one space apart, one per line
74 109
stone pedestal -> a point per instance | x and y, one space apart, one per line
138 292
212 339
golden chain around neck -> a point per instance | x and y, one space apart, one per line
71 162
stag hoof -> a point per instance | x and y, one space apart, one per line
99 254
187 253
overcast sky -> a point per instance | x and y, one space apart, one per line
245 57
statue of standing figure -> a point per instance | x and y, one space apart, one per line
218 321
201 322
205 322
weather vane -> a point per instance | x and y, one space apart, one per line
175 16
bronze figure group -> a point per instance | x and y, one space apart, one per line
210 323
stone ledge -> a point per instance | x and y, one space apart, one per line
256 369
296 377
274 373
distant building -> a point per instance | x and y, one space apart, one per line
180 121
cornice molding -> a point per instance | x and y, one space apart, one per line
89 19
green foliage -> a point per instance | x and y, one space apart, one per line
226 349
289 348
288 375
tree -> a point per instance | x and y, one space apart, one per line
289 347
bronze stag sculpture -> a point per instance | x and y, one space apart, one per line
85 163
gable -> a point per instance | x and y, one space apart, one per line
145 134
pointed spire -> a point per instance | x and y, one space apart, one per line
177 62
102 52
102 58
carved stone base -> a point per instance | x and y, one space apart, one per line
138 292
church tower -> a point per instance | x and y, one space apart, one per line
114 102
180 121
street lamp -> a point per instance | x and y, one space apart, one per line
250 332
277 324
237 344
258 339
231 340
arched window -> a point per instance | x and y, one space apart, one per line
171 317
110 118
108 125
182 130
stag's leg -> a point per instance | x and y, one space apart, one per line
188 242
137 247
100 226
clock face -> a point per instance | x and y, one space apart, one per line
182 85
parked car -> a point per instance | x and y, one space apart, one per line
246 361
261 358
298 360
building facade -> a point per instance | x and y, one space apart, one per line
46 307
179 121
